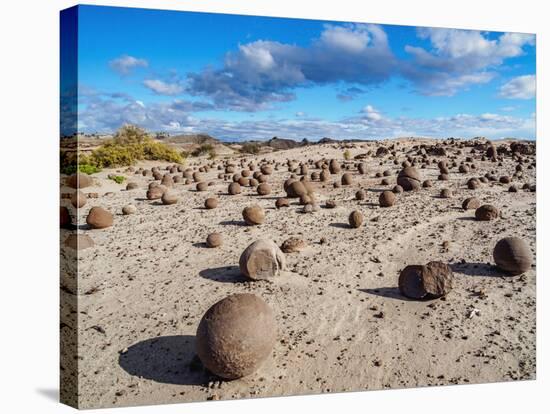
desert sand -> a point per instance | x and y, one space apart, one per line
342 323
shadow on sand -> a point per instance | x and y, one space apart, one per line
340 225
225 274
165 359
476 269
391 292
233 223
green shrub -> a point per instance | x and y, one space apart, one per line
347 154
129 145
250 148
88 169
203 150
119 179
83 168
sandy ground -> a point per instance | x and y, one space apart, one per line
343 325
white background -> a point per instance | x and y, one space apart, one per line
29 54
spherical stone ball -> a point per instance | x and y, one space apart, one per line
331 204
427 184
385 181
409 179
79 180
325 175
64 217
487 212
211 203
513 255
264 189
167 181
253 182
471 203
360 195
214 240
386 199
295 189
129 209
243 181
463 168
201 186
443 177
155 193
362 168
99 218
79 241
266 169
262 260
282 202
513 189
473 183
131 186
234 188
505 179
78 199
236 335
347 179
254 215
445 193
397 189
355 219
334 166
169 198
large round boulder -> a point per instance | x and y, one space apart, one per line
254 215
262 260
236 335
513 255
409 179
99 218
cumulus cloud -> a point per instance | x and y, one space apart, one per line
371 114
124 64
264 72
521 87
163 88
459 58
106 112
103 112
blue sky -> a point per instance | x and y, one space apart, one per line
246 77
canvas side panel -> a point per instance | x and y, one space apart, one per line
68 164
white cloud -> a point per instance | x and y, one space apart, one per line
264 72
341 38
106 113
371 113
163 88
459 59
125 64
522 87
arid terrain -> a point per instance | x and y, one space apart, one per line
343 324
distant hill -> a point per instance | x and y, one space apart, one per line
282 143
198 139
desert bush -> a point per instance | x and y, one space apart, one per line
130 144
347 155
203 150
250 148
117 178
